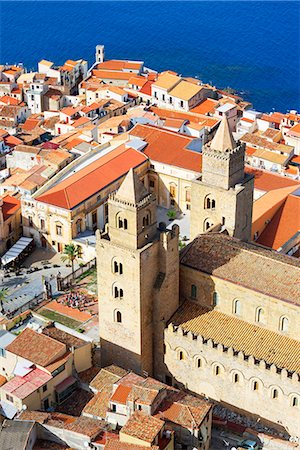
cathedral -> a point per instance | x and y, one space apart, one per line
220 317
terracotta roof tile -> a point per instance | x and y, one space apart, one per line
99 404
120 395
284 225
142 426
94 177
230 331
161 141
228 258
116 444
10 206
183 409
266 181
36 347
107 377
22 387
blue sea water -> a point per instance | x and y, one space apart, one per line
252 46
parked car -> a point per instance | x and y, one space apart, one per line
249 445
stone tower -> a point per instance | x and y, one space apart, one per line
138 280
222 197
100 54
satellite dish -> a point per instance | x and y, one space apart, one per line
86 444
24 407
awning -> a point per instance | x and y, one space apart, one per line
16 250
61 387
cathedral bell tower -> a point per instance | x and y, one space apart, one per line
138 280
222 197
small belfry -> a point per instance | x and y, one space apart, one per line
138 279
222 197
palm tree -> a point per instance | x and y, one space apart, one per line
3 298
71 254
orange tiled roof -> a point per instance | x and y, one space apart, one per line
161 141
119 64
111 74
284 224
94 177
295 130
9 100
146 88
120 395
142 426
36 347
10 206
206 106
2 380
266 181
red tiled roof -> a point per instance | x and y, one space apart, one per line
22 387
284 224
10 206
120 395
266 181
12 141
146 89
168 147
36 347
94 177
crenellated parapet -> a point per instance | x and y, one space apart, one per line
249 361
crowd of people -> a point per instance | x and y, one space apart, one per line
74 300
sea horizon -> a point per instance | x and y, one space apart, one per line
206 39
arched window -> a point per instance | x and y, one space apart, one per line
217 370
207 224
284 324
236 378
294 401
260 315
116 267
120 223
193 291
118 317
209 202
255 386
198 363
274 393
116 292
121 293
216 299
146 220
180 355
125 224
237 307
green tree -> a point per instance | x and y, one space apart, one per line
71 254
3 298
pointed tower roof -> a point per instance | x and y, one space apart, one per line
132 189
223 139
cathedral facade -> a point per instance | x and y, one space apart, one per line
222 317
